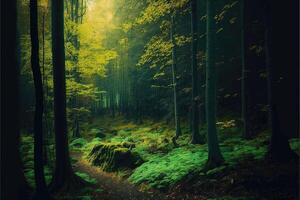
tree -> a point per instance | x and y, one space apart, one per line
41 188
196 139
279 148
215 157
64 178
244 93
174 82
13 183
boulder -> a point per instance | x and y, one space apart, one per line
114 156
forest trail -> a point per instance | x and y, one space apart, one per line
114 188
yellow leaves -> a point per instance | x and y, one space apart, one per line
256 48
226 124
182 40
232 20
220 30
157 52
159 8
158 75
220 16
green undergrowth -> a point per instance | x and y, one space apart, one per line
164 165
166 170
26 150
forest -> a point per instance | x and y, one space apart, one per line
150 99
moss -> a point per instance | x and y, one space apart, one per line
114 156
78 143
163 171
295 144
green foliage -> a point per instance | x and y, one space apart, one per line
78 143
86 177
295 145
163 171
26 150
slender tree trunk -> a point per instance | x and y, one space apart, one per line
13 183
245 80
279 149
215 157
196 139
41 188
44 83
174 82
64 178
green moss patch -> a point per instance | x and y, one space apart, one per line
114 156
163 171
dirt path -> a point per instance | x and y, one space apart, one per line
113 187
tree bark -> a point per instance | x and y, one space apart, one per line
64 178
41 188
279 148
215 157
174 82
13 183
196 139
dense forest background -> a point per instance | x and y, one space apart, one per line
161 79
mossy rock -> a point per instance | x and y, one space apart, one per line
114 156
78 143
98 132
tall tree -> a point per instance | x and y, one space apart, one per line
215 157
174 81
196 139
64 177
13 183
41 188
244 79
279 149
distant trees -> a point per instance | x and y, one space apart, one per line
215 157
41 188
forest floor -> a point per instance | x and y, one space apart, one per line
112 187
169 172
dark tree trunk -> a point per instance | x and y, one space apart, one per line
13 183
215 157
196 139
64 178
244 80
279 149
41 188
174 82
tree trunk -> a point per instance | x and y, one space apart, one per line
215 157
196 139
41 188
64 178
13 183
244 93
279 149
174 82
